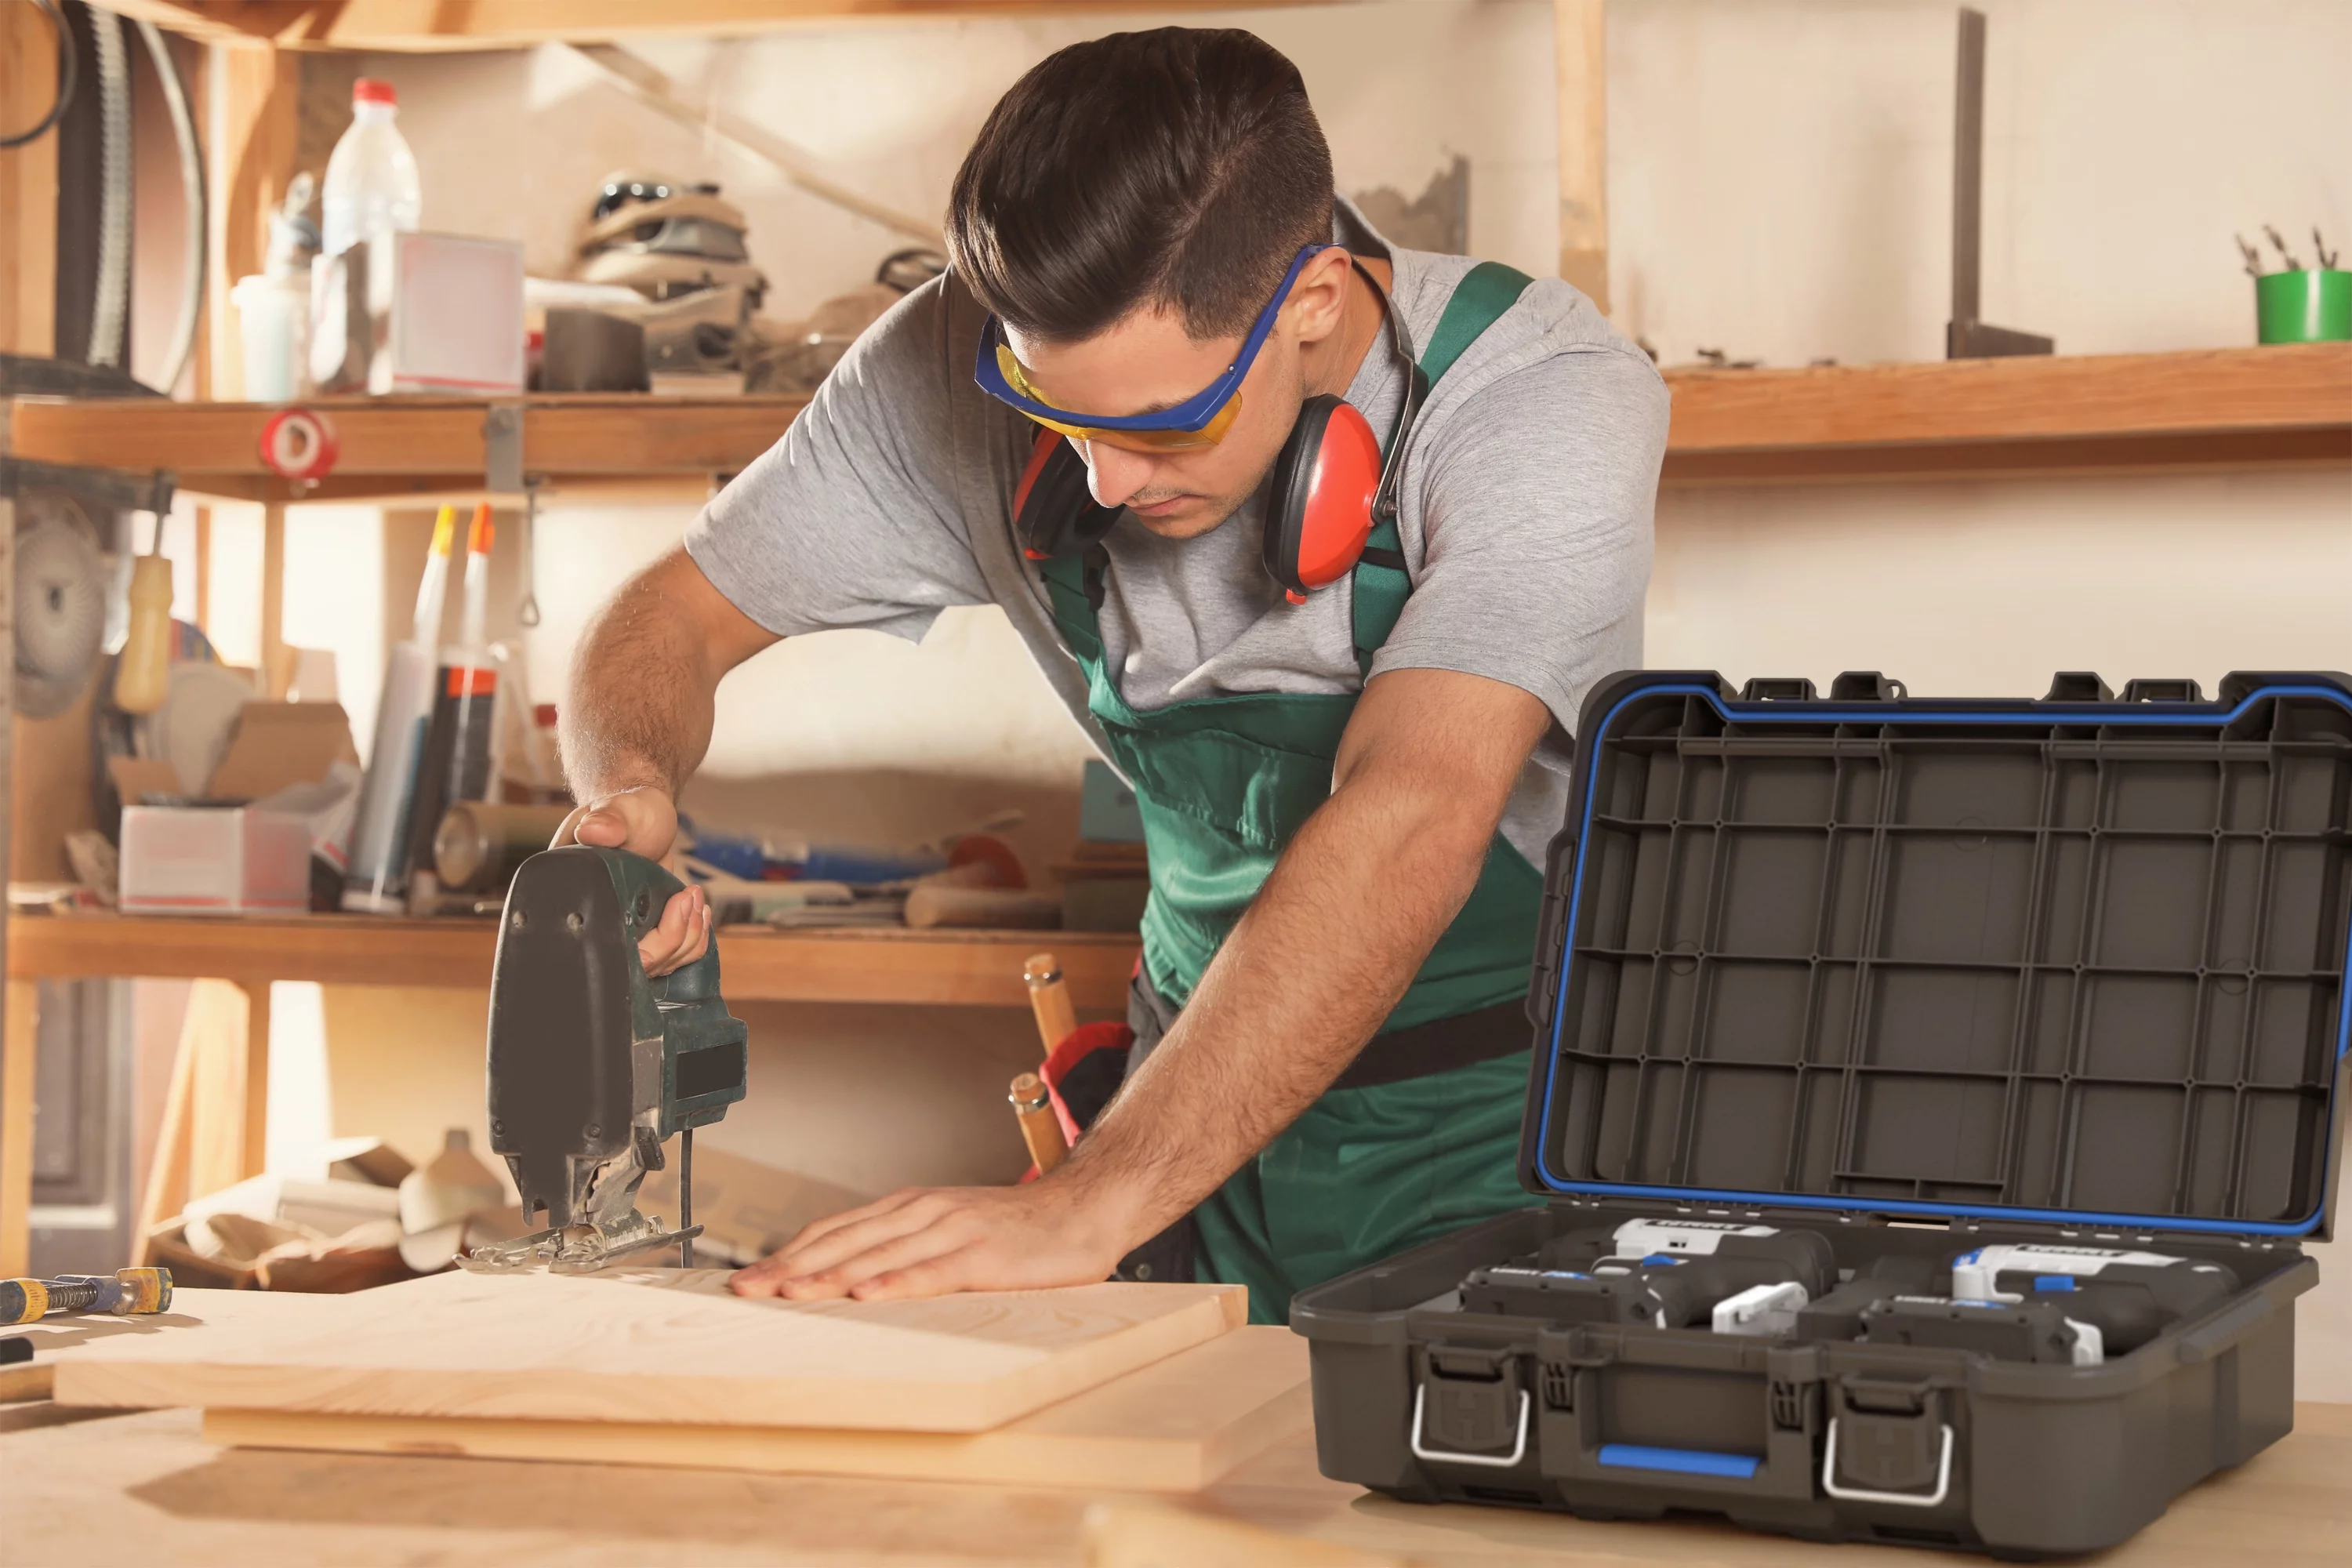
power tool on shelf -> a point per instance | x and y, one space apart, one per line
1667 1274
593 1065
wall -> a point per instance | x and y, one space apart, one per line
1779 177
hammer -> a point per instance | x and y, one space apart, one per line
130 1290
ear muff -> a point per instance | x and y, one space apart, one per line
1053 512
1319 504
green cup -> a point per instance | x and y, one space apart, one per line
2312 307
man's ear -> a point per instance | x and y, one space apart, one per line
1318 300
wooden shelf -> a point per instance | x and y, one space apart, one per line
398 448
979 968
1970 418
2009 417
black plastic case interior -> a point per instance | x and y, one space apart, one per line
2044 962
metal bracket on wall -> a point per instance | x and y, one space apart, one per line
1965 337
502 472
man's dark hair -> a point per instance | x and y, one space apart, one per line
1181 167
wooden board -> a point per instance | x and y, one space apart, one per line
661 1345
759 964
1173 1426
212 1312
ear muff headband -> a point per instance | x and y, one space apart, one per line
1333 481
1053 512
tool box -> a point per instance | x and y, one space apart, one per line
1929 1099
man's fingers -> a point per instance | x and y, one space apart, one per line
936 1276
682 935
602 827
790 1260
948 1233
840 1246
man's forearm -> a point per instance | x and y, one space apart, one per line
641 701
1389 861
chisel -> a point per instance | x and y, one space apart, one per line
1040 1128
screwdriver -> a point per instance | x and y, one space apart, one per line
130 1290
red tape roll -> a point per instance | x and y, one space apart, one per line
299 444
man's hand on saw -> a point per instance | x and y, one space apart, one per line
645 822
928 1241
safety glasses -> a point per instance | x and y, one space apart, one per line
1200 420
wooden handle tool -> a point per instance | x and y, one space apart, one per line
1040 1128
1049 998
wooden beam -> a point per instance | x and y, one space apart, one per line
19 1043
439 438
277 659
434 25
1581 48
252 95
28 184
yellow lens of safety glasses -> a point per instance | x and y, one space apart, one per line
1208 434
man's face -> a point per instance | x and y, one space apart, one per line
1146 362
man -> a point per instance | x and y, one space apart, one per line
1346 798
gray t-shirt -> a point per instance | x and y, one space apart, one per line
1525 504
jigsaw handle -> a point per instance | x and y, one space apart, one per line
645 888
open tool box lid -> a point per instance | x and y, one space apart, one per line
2077 963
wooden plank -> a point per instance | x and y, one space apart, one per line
19 1038
252 99
192 1312
2222 408
2055 457
28 184
1581 51
215 1034
1176 1425
966 968
276 659
669 1346
426 25
2288 386
431 440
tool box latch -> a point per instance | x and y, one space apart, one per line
1469 1408
1778 688
1888 1443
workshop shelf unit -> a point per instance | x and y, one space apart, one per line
2287 405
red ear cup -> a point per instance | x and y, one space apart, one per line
1053 512
1318 507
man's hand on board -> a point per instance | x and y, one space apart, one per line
644 821
1062 1229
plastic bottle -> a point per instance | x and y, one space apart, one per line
371 185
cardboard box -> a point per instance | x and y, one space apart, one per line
281 743
454 321
214 860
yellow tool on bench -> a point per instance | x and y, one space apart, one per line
130 1290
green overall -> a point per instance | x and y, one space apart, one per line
1223 784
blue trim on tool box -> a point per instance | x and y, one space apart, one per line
1832 713
1683 1461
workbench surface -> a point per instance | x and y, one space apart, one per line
147 1487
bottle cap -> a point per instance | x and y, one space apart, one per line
369 89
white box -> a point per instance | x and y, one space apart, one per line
214 860
450 316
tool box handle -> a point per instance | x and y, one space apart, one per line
1865 1494
1420 1450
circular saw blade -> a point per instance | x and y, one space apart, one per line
60 615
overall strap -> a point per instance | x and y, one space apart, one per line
1486 291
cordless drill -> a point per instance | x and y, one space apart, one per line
1667 1274
2129 1297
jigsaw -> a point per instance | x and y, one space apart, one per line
593 1065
